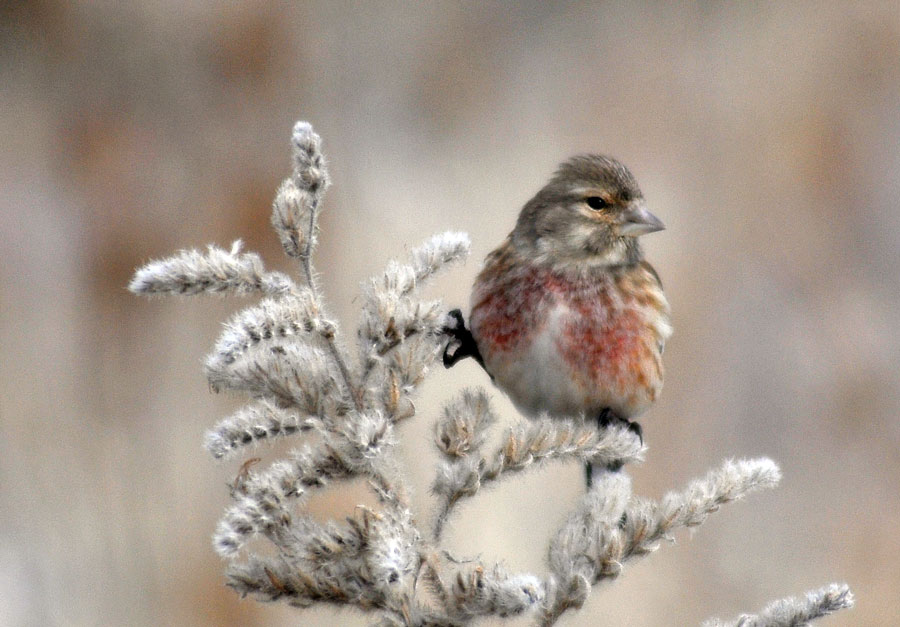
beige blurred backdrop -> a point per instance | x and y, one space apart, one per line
765 135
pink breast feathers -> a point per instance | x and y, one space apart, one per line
611 342
609 348
602 335
506 313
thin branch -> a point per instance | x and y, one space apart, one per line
531 445
306 256
585 552
301 195
795 611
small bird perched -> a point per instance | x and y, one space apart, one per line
567 317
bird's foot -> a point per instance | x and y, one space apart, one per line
461 343
636 429
608 418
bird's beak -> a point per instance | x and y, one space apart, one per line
636 220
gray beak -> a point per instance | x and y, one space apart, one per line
636 220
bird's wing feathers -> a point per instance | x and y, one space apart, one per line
646 266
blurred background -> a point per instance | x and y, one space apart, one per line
765 135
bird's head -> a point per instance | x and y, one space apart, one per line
589 214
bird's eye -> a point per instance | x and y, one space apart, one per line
595 202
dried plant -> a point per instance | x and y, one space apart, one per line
287 355
794 611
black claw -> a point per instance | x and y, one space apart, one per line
636 429
606 418
461 344
456 322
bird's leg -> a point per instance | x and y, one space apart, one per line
606 419
461 344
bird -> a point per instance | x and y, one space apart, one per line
567 317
